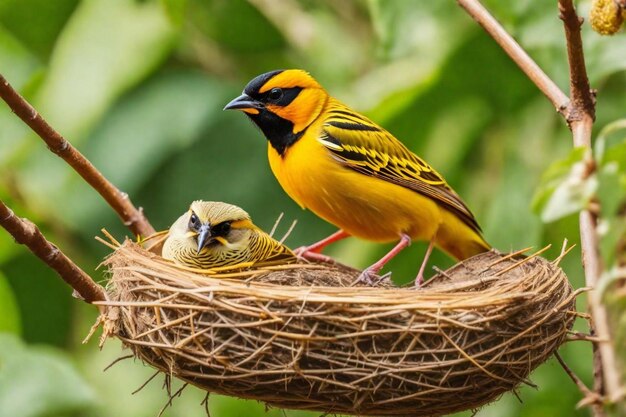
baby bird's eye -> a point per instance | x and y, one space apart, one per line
275 94
193 221
221 229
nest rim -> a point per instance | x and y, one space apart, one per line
376 303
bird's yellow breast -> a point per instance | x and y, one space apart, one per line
364 206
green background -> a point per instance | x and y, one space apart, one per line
139 87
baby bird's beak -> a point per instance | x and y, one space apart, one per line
204 234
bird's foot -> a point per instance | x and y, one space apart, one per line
419 280
370 277
303 253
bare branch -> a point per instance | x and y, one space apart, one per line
599 316
482 16
580 117
26 233
582 101
579 112
132 217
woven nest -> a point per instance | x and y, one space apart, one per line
301 337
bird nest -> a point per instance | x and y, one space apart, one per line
303 337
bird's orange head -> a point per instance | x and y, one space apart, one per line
283 103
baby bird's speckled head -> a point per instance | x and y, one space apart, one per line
213 225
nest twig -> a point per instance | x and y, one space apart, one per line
301 337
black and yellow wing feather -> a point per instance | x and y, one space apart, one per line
361 145
265 249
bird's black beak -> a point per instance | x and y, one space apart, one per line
204 235
244 102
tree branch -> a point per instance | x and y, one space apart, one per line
582 100
132 217
482 16
579 112
26 233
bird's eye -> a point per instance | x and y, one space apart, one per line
221 229
193 221
275 94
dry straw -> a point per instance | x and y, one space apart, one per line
301 337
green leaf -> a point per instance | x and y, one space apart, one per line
616 154
37 381
94 62
609 277
101 52
458 126
609 146
45 301
19 67
36 22
604 55
569 197
611 194
9 313
23 62
562 167
163 116
175 10
8 247
564 190
610 154
611 231
611 189
416 27
236 25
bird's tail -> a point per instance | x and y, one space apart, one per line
471 248
459 240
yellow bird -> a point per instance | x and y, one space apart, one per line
213 234
353 173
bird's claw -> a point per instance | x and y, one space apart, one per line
371 278
304 254
419 281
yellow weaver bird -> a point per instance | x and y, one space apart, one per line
353 173
212 234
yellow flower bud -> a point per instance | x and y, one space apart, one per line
606 16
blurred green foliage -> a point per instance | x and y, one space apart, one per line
138 86
38 381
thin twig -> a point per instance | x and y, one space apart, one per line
276 223
116 361
172 396
205 403
288 232
575 336
590 397
132 217
26 233
548 87
142 386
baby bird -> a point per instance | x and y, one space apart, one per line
213 234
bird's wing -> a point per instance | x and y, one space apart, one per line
264 249
360 144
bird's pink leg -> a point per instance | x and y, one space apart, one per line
312 252
370 272
419 280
